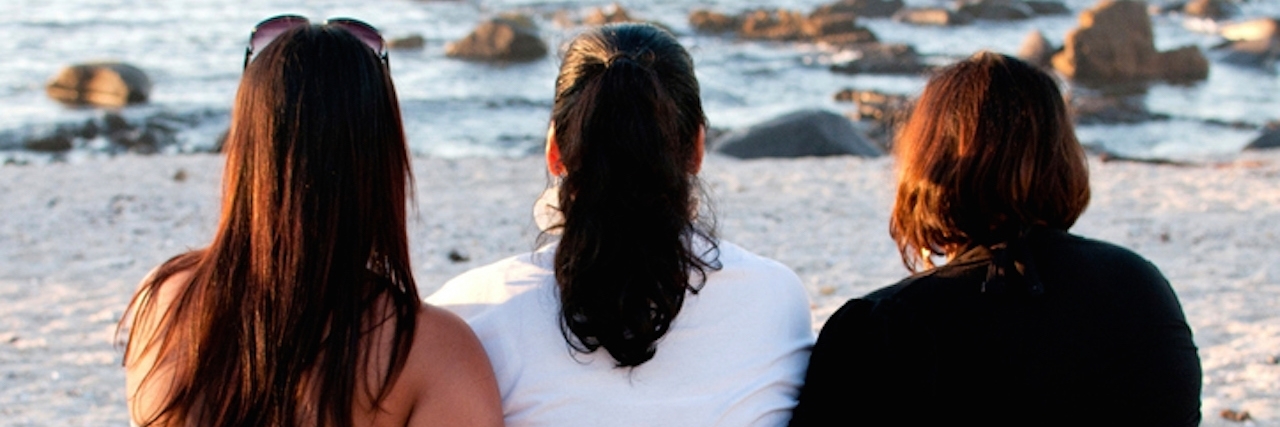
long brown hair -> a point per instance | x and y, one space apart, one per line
627 116
988 152
310 253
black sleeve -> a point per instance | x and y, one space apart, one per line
1165 373
842 370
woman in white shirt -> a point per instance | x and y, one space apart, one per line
632 312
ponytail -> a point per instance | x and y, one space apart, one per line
626 259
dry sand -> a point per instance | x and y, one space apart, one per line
76 237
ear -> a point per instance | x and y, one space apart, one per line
554 166
699 148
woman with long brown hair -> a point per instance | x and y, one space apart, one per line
636 315
303 310
1024 323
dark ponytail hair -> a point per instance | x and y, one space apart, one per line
627 118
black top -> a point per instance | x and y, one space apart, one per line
1078 332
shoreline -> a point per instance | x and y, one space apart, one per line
75 237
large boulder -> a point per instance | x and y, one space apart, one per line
933 16
862 8
802 133
1036 50
1114 43
103 84
511 38
995 10
1268 140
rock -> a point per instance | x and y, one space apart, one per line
103 84
1037 50
777 25
1184 64
1254 29
1250 53
799 134
504 38
711 22
55 143
931 16
837 29
611 14
1047 7
862 8
883 112
1268 140
882 58
1114 43
1089 109
409 42
995 10
1211 9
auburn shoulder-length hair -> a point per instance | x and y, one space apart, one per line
988 152
310 253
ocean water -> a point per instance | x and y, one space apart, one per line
193 51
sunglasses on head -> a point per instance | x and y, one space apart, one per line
269 29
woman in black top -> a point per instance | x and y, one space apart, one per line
1024 324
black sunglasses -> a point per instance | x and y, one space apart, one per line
269 29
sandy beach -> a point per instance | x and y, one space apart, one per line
76 237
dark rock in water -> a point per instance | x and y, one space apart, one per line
1211 9
1114 43
861 8
1184 64
837 29
799 134
882 58
505 38
409 42
1037 50
103 84
1250 53
776 25
1268 140
55 143
1047 7
1088 109
935 16
707 21
881 113
995 10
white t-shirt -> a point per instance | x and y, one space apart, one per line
734 356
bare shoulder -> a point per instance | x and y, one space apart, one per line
142 356
456 380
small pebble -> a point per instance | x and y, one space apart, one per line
1237 416
458 257
180 176
1273 360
